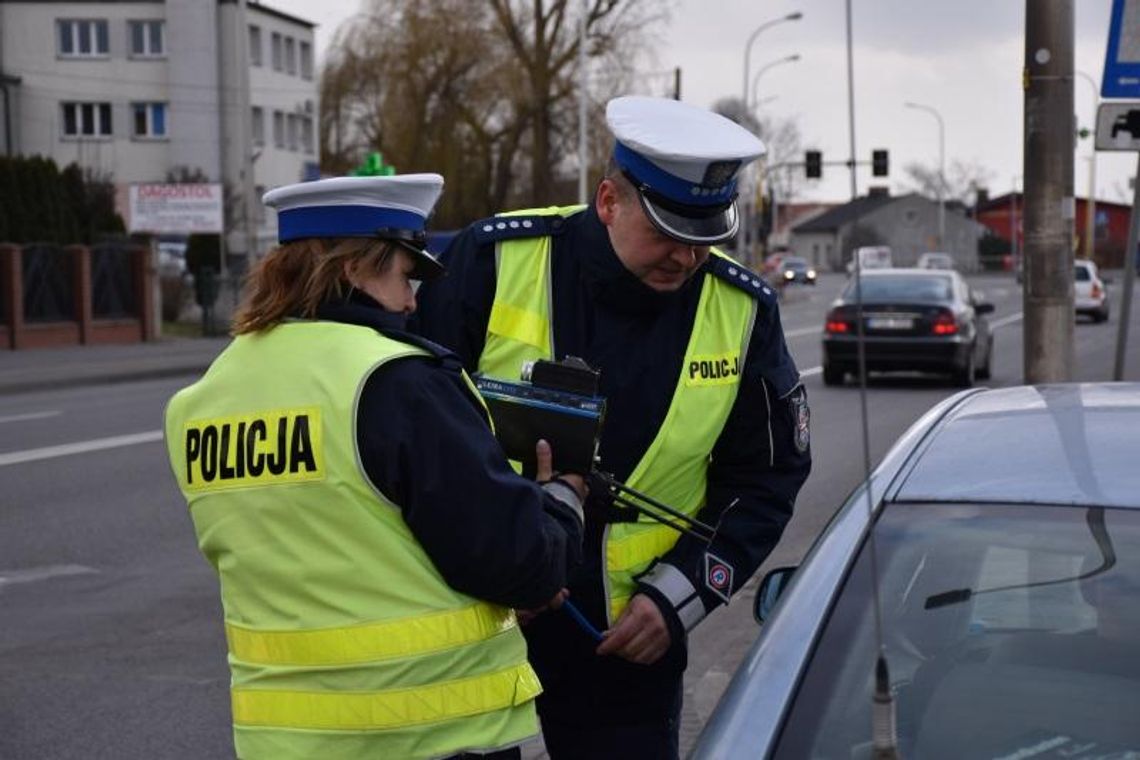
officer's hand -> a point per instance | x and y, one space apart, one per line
525 616
544 470
640 635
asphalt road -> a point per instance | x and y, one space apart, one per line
111 643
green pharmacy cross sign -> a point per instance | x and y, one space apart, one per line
374 166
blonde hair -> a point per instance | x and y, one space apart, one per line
296 277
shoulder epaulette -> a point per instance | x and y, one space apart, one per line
742 277
496 228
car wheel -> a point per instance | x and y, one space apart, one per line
832 375
964 376
984 372
1102 315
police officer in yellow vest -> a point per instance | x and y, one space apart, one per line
705 410
370 537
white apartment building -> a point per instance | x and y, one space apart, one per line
141 89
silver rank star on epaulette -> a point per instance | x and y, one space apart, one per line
495 228
743 278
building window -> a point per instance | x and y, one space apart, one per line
254 45
83 37
278 129
257 125
290 56
291 130
307 134
306 60
87 120
146 39
275 50
148 120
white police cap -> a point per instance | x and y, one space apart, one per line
684 162
390 208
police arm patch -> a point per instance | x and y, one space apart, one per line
718 576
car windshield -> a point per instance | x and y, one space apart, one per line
1005 627
908 287
791 263
1081 274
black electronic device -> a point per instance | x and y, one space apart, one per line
555 401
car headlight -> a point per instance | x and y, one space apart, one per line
789 275
811 274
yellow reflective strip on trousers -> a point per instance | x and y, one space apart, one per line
360 711
674 469
376 641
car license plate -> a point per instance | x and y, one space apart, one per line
890 323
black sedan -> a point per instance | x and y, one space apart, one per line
925 321
979 597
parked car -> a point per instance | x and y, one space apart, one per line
994 559
796 269
870 257
935 260
926 321
1090 295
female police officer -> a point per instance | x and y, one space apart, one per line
369 536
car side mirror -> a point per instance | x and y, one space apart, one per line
984 308
769 592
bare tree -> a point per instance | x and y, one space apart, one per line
962 180
482 92
543 38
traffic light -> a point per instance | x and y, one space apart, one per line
813 164
879 164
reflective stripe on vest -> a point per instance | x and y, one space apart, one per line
406 637
359 711
674 468
518 329
337 620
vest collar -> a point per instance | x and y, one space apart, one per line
361 309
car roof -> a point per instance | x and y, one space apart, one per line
1049 444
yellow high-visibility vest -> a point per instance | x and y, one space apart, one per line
674 469
344 639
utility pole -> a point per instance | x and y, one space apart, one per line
1049 206
583 85
245 138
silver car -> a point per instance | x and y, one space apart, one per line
999 576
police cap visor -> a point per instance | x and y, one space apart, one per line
694 225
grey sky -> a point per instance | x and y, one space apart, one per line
963 58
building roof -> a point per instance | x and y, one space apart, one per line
830 221
1002 201
254 5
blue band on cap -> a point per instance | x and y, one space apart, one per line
343 221
671 186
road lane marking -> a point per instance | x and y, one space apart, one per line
82 447
802 331
47 572
810 372
1006 320
29 416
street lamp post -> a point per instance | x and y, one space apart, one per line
1090 201
941 169
756 77
742 232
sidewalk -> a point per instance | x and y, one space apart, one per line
49 368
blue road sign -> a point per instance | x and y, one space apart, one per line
1122 54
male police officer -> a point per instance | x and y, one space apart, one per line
705 409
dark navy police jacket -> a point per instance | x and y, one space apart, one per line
638 337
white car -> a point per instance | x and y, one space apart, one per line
1090 293
935 260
